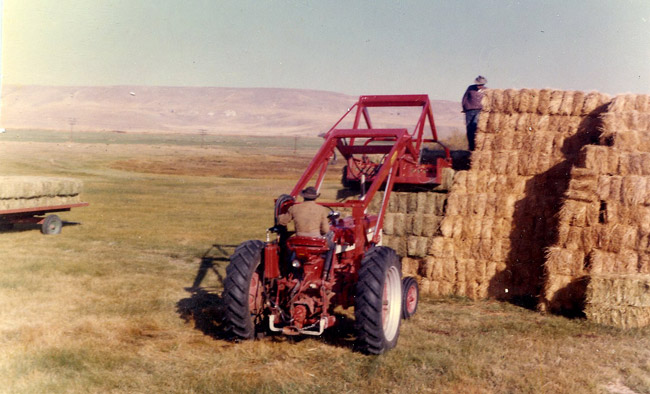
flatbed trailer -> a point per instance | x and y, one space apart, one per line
50 224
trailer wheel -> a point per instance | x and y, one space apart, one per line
378 302
410 297
51 225
243 293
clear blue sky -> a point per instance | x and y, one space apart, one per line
353 47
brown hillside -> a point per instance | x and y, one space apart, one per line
188 110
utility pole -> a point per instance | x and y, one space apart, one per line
203 133
72 122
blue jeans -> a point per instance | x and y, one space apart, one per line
471 120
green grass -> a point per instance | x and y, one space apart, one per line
105 305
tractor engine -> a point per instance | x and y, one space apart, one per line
304 291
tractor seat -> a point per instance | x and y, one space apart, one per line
314 244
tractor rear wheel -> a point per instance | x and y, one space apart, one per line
243 293
410 297
378 302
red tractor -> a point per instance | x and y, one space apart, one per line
291 284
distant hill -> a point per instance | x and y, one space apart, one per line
246 111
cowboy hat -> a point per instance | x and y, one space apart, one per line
310 193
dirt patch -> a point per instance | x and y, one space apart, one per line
249 166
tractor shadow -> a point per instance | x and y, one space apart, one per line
204 307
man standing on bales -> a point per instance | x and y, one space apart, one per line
472 108
310 219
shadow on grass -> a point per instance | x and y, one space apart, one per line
205 307
8 227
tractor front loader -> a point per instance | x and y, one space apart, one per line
291 284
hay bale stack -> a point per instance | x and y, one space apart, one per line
412 221
18 192
619 300
501 213
604 223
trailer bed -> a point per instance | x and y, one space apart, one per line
50 224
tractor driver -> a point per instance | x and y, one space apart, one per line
309 218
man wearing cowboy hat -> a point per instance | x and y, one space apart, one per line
472 108
309 218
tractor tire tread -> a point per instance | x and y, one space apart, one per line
243 262
368 300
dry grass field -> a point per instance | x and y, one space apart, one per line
127 298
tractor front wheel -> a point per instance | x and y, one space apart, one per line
378 302
410 297
243 293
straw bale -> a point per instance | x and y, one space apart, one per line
528 100
487 228
561 261
544 101
619 300
479 204
490 182
582 187
442 248
460 182
388 224
484 141
593 157
450 224
445 288
486 101
502 227
431 225
493 124
592 101
456 204
416 246
629 164
578 102
500 161
35 202
410 266
566 106
515 184
519 139
617 237
437 203
510 101
633 189
615 186
399 224
506 205
642 103
625 317
471 181
555 102
602 189
622 103
416 224
23 187
448 271
522 123
497 100
644 263
513 162
424 286
540 123
508 122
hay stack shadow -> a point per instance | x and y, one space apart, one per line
535 228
